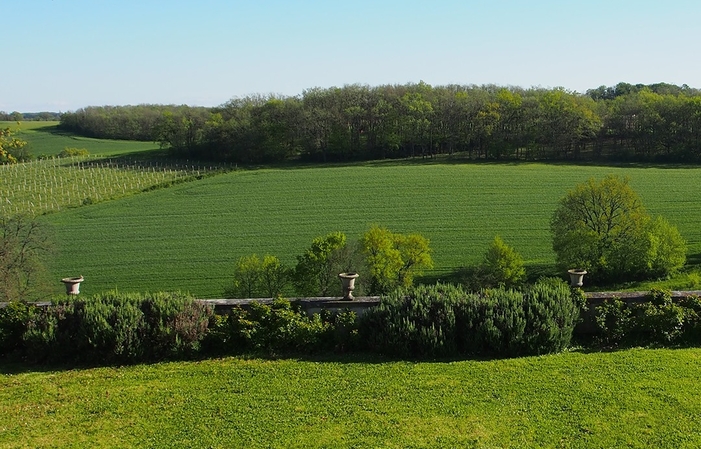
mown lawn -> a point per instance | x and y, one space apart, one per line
635 398
189 236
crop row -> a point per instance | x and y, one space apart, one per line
54 184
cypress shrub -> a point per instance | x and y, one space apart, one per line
551 315
419 321
117 328
491 322
445 320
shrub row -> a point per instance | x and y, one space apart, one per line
446 320
424 321
106 328
657 320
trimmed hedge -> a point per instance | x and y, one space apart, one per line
446 320
424 321
116 328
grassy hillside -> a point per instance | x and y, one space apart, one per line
636 398
189 236
44 138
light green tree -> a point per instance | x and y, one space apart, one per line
503 265
247 275
273 276
601 226
393 259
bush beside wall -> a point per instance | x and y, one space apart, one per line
445 320
117 328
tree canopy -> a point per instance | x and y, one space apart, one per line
601 226
623 122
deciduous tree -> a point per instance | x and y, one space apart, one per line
603 228
24 247
394 259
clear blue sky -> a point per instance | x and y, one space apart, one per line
61 55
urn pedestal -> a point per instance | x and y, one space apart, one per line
72 285
348 282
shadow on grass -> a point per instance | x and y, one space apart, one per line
15 367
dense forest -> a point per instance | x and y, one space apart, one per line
16 116
658 122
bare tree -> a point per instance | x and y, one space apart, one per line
24 246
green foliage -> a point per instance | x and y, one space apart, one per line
393 259
614 320
419 321
317 269
10 147
117 328
445 320
552 311
637 122
603 228
247 275
665 248
274 276
276 328
503 265
14 318
492 323
658 320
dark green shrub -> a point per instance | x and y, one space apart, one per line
13 324
614 320
111 327
552 311
418 321
692 325
276 328
175 324
445 320
345 331
491 322
657 320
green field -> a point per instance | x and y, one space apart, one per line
635 398
189 236
45 139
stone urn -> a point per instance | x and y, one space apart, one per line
72 285
577 277
348 282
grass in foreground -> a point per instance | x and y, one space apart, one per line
635 398
188 237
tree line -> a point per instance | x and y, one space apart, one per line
16 116
659 122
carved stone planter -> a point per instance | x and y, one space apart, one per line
72 285
577 277
348 282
